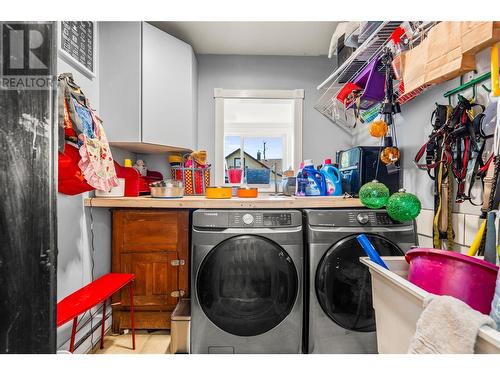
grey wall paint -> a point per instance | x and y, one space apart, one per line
321 138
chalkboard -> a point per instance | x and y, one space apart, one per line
77 43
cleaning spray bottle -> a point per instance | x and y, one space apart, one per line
316 184
332 178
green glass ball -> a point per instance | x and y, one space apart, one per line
403 206
374 194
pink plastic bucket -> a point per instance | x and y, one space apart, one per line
443 272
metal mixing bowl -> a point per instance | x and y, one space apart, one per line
167 189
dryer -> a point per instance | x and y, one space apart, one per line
339 307
246 281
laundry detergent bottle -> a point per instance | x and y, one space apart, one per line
316 184
332 178
301 182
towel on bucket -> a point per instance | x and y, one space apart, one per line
447 326
495 304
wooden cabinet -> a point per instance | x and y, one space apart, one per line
148 90
153 245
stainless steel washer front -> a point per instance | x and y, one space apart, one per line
340 314
246 281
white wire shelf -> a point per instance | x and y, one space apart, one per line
370 49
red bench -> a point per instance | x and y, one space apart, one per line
91 295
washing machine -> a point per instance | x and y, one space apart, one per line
246 281
339 308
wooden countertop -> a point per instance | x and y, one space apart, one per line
263 201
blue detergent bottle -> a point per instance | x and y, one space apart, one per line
332 178
301 182
316 183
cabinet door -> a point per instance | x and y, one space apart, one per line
120 86
146 230
155 278
167 89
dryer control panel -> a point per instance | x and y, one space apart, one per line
352 218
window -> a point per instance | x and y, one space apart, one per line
258 136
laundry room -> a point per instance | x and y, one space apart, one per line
192 181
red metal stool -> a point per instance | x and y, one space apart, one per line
91 295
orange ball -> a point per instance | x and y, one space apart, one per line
378 128
389 155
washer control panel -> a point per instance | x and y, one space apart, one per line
247 219
280 219
370 218
263 219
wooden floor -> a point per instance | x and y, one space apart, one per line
157 342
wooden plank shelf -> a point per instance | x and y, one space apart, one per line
265 201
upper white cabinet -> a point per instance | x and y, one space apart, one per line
148 87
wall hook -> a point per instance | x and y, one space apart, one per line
486 88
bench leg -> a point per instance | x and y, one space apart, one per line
132 320
73 334
103 323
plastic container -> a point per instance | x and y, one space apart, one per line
442 272
398 305
316 184
234 175
180 328
247 192
117 191
333 179
218 192
372 81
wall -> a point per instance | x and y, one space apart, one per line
321 138
83 254
84 234
413 128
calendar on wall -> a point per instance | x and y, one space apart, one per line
77 45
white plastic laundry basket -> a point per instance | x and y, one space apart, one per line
398 305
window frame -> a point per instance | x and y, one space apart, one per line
297 95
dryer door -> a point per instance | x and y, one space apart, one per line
343 284
247 285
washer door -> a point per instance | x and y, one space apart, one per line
343 284
247 285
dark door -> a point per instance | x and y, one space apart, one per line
27 187
343 284
247 285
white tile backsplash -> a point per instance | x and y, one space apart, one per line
424 222
463 232
458 228
425 241
472 224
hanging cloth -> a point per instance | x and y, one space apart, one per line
79 124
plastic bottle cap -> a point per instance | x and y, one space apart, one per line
308 162
327 161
